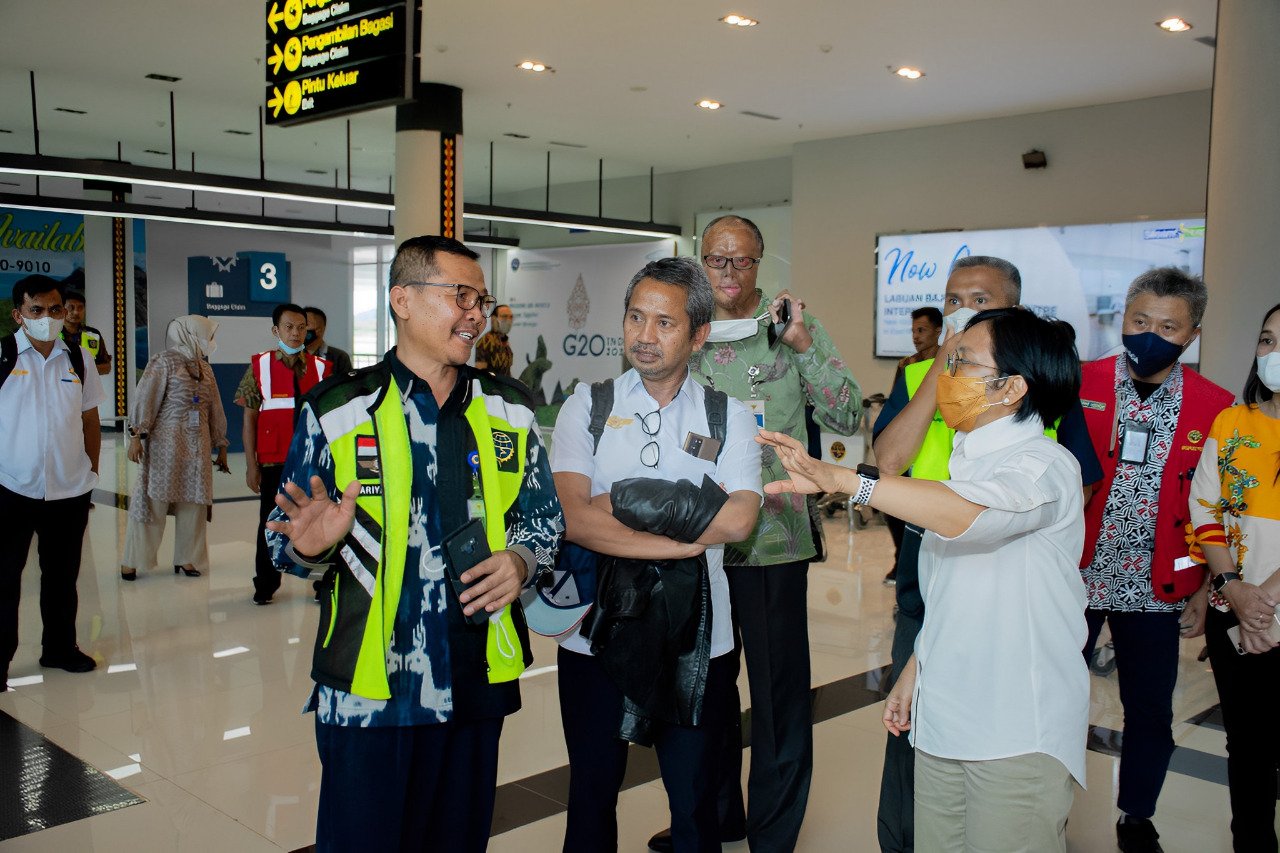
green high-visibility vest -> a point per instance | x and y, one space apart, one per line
374 450
931 462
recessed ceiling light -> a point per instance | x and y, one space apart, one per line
567 144
907 72
2 130
739 21
70 110
535 66
154 151
1173 25
153 198
517 135
164 78
708 104
234 132
317 171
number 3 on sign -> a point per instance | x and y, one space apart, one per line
268 280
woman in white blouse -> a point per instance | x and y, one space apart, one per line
996 696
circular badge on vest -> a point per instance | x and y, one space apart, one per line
503 446
837 450
1195 436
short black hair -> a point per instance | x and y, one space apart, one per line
1042 353
1254 390
734 219
34 285
311 309
933 315
73 295
416 257
500 306
1012 278
280 310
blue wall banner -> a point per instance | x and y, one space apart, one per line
250 284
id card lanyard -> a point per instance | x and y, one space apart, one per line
1134 438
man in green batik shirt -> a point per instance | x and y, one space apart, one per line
775 376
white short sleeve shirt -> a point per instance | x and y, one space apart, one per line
618 458
42 455
1001 672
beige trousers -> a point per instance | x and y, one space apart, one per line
1008 805
142 541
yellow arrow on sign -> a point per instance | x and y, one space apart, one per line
276 102
275 16
276 59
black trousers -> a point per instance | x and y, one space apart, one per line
408 788
590 710
772 619
266 578
1248 687
1147 667
59 529
896 817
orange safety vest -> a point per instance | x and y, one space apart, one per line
279 402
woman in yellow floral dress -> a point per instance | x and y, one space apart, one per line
1235 511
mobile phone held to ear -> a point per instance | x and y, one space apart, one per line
463 549
784 317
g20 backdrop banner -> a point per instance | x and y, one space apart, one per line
1077 273
38 242
568 311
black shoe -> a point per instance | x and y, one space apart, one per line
191 573
261 598
1137 835
661 841
72 661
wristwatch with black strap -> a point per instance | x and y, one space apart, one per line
1220 581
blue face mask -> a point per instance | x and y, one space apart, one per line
288 350
1149 353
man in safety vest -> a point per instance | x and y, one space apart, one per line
420 488
910 434
271 394
74 331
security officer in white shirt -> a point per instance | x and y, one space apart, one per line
48 468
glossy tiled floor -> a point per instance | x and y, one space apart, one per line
195 707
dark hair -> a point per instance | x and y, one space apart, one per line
500 306
933 315
280 310
73 295
1254 390
34 285
416 257
1042 353
699 300
1012 278
734 219
319 312
1171 281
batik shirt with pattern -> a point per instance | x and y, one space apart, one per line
749 369
418 660
1119 578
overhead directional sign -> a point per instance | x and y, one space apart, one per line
330 57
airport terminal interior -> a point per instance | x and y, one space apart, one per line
159 157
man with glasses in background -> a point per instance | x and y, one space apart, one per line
774 369
446 509
655 473
911 437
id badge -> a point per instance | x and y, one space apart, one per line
475 508
193 418
757 409
701 446
1137 439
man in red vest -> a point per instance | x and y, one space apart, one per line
271 394
1147 417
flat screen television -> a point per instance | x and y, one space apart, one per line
1077 273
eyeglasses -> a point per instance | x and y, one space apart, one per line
719 262
650 450
467 296
954 361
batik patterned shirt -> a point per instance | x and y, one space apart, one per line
1119 578
418 660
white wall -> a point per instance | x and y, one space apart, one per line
1111 162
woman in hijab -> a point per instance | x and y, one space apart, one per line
177 422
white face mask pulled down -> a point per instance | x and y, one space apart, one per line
44 329
1269 370
723 331
956 321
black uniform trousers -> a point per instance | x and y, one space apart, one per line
407 788
266 578
770 614
59 530
591 711
1248 687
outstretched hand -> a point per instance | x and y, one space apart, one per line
315 523
808 475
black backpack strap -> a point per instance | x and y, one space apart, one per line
717 404
601 406
77 359
8 356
